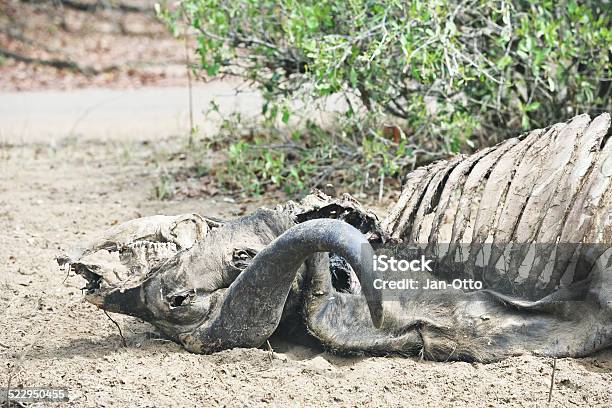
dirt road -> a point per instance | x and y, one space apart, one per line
53 193
116 114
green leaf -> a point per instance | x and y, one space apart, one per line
353 77
286 114
312 23
504 61
525 122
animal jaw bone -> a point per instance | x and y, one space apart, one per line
142 244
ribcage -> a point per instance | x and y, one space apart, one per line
533 212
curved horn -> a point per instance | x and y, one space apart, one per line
252 306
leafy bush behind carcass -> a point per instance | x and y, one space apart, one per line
441 75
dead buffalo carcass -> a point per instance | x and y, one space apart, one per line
530 217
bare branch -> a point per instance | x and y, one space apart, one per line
56 63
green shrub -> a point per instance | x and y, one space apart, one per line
448 73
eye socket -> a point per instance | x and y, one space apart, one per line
343 277
242 257
180 299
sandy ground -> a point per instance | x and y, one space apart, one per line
53 194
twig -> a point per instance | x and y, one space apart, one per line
118 328
552 379
270 351
15 403
93 7
22 38
56 63
191 129
324 173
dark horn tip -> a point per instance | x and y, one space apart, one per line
377 317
